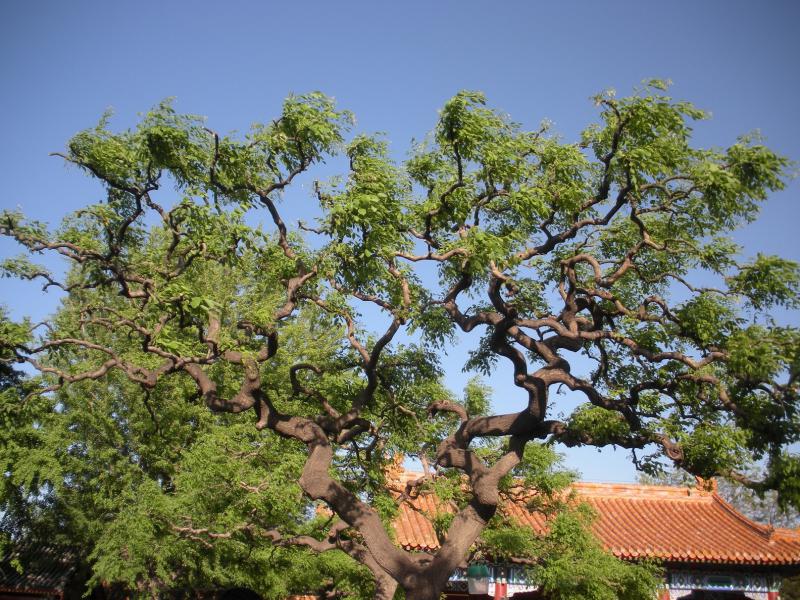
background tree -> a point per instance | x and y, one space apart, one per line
612 250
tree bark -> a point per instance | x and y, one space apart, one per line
424 590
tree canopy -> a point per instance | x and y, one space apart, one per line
188 290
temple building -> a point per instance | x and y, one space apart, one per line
707 548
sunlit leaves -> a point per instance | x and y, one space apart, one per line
784 476
542 469
310 127
12 336
768 281
758 354
477 397
368 213
566 559
599 425
614 249
504 540
463 123
710 449
577 567
708 318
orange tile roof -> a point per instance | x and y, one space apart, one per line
672 524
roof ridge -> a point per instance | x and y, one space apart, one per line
630 489
786 534
764 530
633 490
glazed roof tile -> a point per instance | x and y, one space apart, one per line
671 524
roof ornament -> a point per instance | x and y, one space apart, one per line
706 485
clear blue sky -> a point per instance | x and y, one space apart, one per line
393 64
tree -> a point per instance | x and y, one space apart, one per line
611 250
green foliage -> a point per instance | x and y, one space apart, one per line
710 449
12 336
708 318
542 469
769 281
544 250
790 589
598 424
783 476
577 567
567 560
119 472
504 540
758 354
477 397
